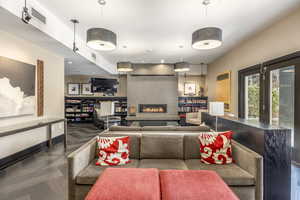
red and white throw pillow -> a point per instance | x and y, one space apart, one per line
215 148
113 151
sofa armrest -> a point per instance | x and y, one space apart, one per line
251 162
77 161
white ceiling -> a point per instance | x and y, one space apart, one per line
80 65
153 30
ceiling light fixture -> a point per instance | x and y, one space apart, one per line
207 38
26 17
75 21
101 39
124 67
182 67
162 61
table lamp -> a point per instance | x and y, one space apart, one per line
216 109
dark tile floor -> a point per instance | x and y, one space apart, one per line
43 175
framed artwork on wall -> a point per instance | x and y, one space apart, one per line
73 88
189 88
86 89
223 90
17 88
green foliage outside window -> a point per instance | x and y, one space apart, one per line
253 101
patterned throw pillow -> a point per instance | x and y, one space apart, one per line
113 151
215 148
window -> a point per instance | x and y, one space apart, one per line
267 93
282 97
252 94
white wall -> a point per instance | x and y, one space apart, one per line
280 39
18 49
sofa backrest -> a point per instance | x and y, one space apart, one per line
160 128
125 128
134 143
154 146
191 146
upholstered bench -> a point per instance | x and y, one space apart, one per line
194 185
126 184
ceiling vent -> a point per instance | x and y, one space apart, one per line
38 15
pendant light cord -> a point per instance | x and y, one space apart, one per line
74 33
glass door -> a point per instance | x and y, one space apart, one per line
252 97
282 97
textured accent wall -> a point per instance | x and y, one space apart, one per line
153 90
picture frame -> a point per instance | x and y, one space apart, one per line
73 89
223 89
86 89
189 88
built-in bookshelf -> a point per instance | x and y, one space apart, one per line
191 104
81 109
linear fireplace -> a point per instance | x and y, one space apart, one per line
152 108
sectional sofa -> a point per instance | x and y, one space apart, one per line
171 148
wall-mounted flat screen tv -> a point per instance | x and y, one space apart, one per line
103 85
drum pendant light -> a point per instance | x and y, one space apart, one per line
124 67
182 67
207 38
101 39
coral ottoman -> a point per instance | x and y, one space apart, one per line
194 185
126 184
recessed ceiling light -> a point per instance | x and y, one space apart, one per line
102 2
149 50
180 46
124 46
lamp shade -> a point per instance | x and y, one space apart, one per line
182 67
207 38
124 67
216 108
101 39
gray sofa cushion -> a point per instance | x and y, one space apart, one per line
90 174
163 164
159 128
161 146
193 128
191 146
232 174
134 141
125 128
